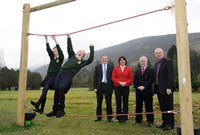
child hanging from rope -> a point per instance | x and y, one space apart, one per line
56 60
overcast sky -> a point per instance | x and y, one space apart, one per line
83 14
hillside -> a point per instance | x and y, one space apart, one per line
133 49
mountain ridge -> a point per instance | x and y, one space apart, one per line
135 48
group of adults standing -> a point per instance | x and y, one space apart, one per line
120 78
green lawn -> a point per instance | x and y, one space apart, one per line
80 115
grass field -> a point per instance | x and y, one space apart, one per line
79 120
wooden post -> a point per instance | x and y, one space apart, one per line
23 66
185 95
51 4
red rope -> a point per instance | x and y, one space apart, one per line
113 115
166 8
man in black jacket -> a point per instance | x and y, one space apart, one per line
143 80
103 85
164 87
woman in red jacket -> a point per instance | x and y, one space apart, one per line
122 77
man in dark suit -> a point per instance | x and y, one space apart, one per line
103 85
164 87
143 80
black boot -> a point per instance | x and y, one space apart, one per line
35 104
38 110
41 101
41 110
54 112
61 111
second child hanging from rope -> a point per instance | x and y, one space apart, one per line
56 59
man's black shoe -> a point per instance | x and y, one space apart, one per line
168 128
110 120
51 114
123 121
120 121
161 126
60 114
149 124
97 120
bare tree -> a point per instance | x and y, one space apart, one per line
2 62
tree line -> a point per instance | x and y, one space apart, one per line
194 67
9 79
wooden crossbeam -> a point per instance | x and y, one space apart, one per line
49 5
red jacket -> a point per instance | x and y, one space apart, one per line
119 76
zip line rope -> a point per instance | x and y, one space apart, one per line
163 9
114 115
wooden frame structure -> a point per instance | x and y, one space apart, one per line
183 59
